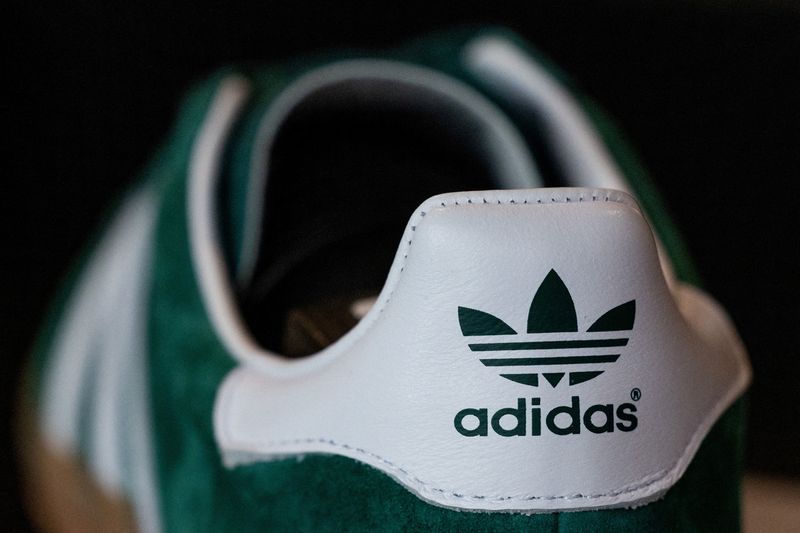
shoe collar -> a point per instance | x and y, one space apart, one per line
495 61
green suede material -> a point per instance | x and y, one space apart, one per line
335 493
704 499
330 493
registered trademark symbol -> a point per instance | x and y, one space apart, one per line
636 394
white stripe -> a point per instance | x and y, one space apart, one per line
103 334
120 340
579 150
74 349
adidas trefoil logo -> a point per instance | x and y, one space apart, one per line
552 311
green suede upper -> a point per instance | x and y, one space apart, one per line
319 492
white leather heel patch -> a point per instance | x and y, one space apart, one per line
526 354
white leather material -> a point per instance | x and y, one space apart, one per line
387 394
98 358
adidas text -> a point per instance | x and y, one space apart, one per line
561 420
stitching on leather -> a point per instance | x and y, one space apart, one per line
511 201
654 478
713 415
715 412
645 482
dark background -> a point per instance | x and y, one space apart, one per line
708 93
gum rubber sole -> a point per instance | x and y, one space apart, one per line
58 492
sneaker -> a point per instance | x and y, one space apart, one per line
231 355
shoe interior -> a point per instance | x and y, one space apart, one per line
348 166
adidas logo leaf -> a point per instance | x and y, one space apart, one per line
474 322
552 308
552 311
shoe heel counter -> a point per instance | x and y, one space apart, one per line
526 355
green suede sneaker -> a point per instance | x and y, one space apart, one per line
232 356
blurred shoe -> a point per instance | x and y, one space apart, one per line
232 356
